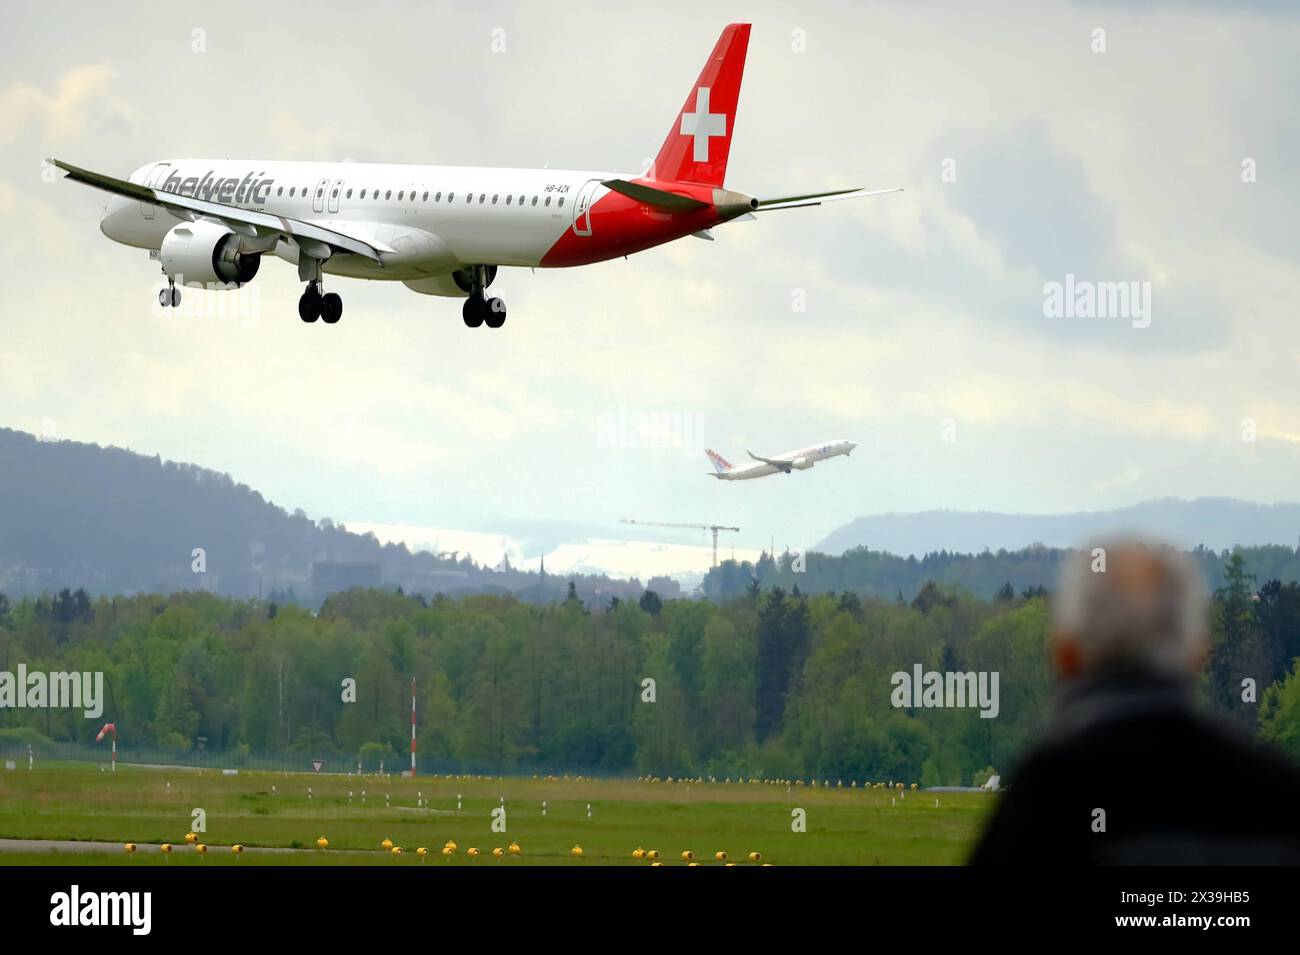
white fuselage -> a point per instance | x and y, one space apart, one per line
798 460
435 219
440 230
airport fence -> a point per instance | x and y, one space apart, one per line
20 754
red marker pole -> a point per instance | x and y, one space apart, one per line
412 727
111 730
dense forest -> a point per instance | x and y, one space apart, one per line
770 683
1032 569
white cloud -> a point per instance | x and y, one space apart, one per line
82 102
403 413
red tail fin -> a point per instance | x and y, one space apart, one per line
720 464
697 147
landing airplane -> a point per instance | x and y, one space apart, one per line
800 460
440 230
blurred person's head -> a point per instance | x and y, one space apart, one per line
1128 605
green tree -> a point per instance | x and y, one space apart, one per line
1233 625
651 603
1279 714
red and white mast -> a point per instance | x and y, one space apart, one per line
111 730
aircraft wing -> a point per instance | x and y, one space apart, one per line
243 221
780 463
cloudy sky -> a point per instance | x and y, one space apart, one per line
912 323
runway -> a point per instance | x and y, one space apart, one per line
75 846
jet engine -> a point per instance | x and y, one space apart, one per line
206 253
801 464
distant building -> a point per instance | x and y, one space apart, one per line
332 576
665 587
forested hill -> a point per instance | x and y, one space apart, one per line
1214 522
112 521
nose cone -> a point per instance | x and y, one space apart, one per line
850 445
118 213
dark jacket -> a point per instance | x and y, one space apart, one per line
1177 787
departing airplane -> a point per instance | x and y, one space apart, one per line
800 460
440 230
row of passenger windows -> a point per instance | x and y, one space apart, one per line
437 196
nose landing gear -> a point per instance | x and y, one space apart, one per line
169 296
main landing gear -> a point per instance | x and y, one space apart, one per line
479 309
313 305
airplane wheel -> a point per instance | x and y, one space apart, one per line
175 297
164 297
495 310
472 311
331 307
309 306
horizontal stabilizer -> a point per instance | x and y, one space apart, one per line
658 198
817 198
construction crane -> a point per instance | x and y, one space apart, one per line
699 527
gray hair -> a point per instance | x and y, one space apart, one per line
1130 603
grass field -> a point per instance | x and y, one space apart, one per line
845 826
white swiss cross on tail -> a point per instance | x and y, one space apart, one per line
702 124
699 140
